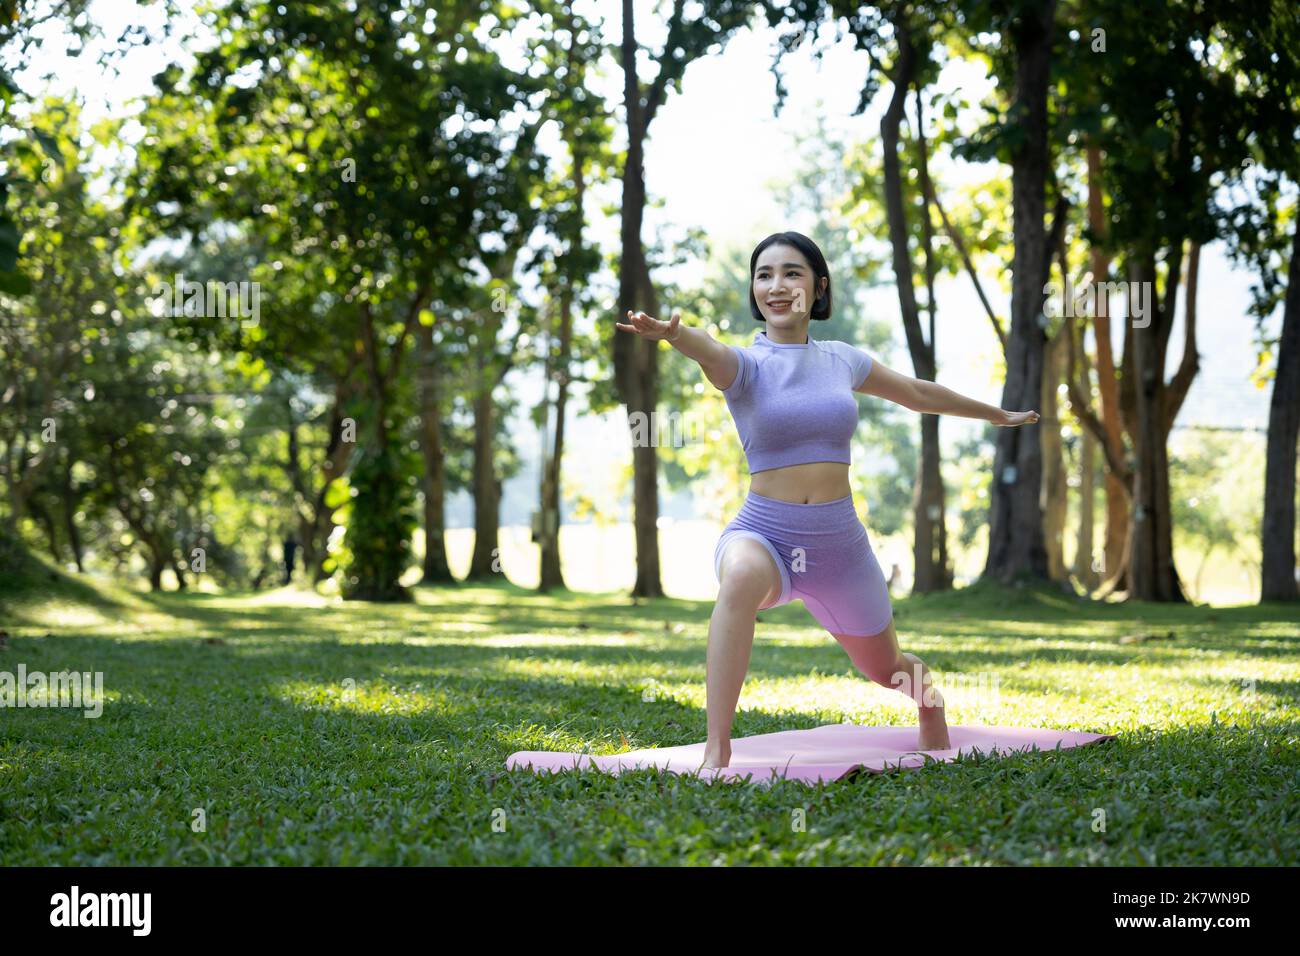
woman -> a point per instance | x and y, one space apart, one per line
797 534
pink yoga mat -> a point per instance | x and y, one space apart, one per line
821 754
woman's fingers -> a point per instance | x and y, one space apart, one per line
649 327
1022 418
632 325
643 324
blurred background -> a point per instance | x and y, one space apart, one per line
322 295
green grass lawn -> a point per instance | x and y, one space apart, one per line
315 732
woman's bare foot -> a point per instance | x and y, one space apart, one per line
933 729
717 756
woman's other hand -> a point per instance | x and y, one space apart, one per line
651 328
1012 419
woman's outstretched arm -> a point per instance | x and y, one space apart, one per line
931 398
716 360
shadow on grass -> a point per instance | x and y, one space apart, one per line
19 594
595 691
184 693
182 687
648 630
261 727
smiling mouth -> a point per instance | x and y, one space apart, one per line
775 304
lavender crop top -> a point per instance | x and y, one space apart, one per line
794 404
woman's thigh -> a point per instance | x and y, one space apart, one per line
746 554
843 587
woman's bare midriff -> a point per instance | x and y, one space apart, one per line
808 484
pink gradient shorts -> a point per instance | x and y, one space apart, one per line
824 558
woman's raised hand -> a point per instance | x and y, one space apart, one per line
652 328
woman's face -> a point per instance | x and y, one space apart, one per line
784 286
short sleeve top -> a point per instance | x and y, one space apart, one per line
794 404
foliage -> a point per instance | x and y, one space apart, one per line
380 520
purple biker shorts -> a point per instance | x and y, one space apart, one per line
824 558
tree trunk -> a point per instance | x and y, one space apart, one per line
293 460
930 547
42 514
15 455
1078 380
318 524
377 566
486 560
1150 558
437 570
645 474
550 574
636 361
1016 545
547 531
1277 581
928 544
68 499
1118 491
157 561
1084 571
1055 490
74 537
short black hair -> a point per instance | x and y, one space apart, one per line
821 308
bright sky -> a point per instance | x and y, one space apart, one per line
718 159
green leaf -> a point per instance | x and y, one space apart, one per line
8 246
15 283
49 144
337 493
